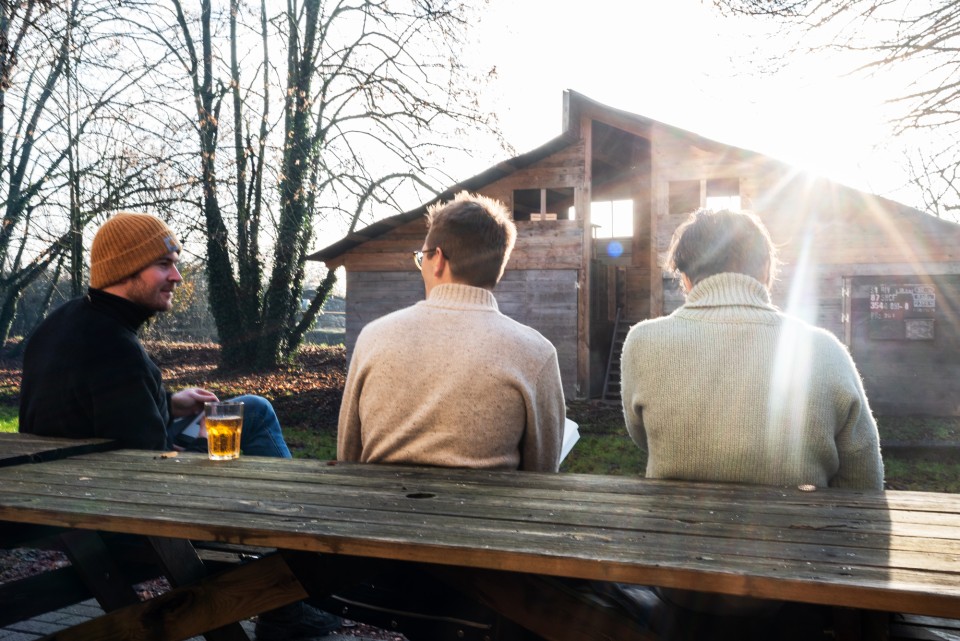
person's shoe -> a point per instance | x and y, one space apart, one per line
297 621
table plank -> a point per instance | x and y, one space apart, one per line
17 448
829 546
773 535
793 523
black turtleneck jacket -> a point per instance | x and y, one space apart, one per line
86 374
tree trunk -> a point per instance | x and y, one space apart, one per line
306 322
282 296
238 346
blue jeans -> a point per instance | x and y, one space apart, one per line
261 435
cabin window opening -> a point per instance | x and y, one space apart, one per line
537 205
723 193
612 218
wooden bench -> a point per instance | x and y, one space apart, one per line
17 448
497 536
911 627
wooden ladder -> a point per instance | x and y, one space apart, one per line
611 383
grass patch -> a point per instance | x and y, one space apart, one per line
9 418
905 428
596 418
922 474
307 442
606 454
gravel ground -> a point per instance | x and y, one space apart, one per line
20 563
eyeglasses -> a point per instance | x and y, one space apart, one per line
418 257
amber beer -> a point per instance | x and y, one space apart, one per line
224 425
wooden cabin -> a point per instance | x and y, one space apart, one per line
596 207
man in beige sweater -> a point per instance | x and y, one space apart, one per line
451 381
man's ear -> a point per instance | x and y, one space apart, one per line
440 264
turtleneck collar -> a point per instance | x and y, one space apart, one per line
728 293
462 296
128 313
728 288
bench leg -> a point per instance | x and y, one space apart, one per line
184 612
860 625
97 568
183 566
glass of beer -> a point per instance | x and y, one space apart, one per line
224 423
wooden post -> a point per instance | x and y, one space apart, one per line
581 201
658 206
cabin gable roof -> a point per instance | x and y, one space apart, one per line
578 108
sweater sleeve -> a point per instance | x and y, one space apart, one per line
857 440
630 390
349 438
546 411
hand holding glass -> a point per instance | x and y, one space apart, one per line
224 424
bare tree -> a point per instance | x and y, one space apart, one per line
355 113
936 175
68 146
920 38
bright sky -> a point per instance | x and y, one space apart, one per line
682 63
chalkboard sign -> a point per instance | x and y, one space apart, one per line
902 312
919 329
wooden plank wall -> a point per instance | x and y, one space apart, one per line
675 158
389 252
562 169
543 299
837 225
910 377
371 295
552 244
547 301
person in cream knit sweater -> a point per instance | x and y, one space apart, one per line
451 381
729 389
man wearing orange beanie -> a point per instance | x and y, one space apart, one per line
86 374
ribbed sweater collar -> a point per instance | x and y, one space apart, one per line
456 296
129 314
727 296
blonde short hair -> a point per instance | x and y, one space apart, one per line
476 235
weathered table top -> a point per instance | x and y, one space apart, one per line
17 448
895 551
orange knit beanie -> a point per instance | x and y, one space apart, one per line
127 243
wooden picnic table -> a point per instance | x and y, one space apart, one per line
491 532
17 448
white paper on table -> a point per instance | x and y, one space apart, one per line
571 434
